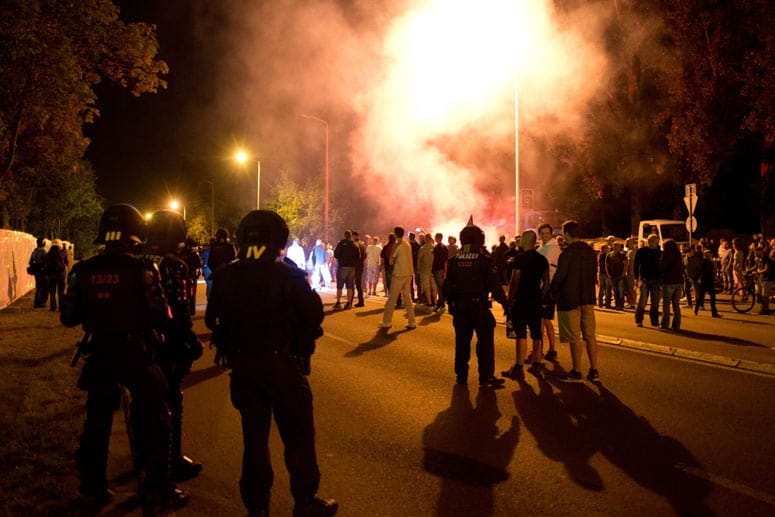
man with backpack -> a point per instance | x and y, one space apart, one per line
37 267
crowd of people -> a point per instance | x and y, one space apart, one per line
135 301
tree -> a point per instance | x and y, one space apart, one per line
300 205
52 54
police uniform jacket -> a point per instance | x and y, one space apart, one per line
471 277
115 294
263 306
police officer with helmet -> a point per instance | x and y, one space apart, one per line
118 299
265 319
470 279
166 236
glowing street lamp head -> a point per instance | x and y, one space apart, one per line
148 216
241 156
174 204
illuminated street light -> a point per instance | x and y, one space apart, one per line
242 157
212 208
148 216
325 202
175 205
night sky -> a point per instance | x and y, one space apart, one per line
243 80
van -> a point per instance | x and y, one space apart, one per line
665 229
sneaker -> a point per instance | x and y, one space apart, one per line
314 506
411 326
384 325
492 382
440 309
593 376
551 356
717 315
537 370
347 305
516 372
572 376
337 305
529 359
360 304
638 323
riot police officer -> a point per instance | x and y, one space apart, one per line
470 279
166 235
190 255
265 319
118 298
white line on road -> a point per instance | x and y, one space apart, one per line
728 483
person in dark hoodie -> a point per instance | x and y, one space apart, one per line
672 272
647 278
573 286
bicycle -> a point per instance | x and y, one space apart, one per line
744 296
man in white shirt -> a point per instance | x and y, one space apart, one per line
551 251
401 280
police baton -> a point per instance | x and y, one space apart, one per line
79 349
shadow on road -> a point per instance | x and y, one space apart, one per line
463 447
724 339
383 337
197 376
574 422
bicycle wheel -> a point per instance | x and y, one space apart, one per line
743 299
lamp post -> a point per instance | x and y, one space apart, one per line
175 205
325 202
242 157
212 208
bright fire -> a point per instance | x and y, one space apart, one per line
446 96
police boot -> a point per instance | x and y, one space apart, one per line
183 467
314 506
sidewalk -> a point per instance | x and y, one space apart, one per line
737 340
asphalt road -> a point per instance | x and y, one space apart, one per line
662 435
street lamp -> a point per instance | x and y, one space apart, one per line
325 202
242 158
212 208
175 205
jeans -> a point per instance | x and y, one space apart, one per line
605 290
438 277
671 295
648 289
619 284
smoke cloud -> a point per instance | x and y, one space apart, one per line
419 97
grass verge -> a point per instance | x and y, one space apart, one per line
41 411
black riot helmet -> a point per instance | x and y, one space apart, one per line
261 228
472 235
121 225
166 231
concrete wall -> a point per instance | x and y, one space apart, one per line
15 250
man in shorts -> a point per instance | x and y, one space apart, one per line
573 286
528 286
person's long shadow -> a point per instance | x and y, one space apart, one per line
549 421
724 339
196 376
655 461
465 449
382 338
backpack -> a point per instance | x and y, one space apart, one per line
37 262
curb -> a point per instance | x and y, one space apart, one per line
720 360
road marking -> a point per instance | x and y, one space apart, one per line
728 483
337 338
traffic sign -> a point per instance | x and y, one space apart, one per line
691 203
691 224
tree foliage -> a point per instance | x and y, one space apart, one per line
52 54
300 205
690 82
